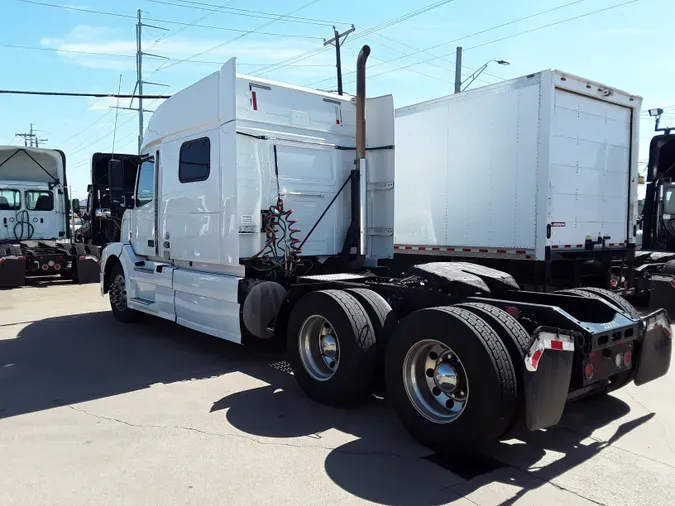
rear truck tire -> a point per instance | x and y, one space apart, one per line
450 379
512 334
118 297
383 320
93 250
332 347
79 249
669 267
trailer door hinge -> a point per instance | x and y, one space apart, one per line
380 185
381 231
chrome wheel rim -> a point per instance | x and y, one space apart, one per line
435 381
319 348
118 293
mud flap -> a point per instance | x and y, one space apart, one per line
12 272
546 376
87 269
663 293
655 349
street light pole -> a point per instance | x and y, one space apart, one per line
478 72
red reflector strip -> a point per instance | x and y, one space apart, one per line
672 283
254 100
555 246
451 249
536 357
580 245
83 258
556 345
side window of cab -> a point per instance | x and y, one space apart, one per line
145 191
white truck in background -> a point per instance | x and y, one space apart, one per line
35 220
536 176
263 210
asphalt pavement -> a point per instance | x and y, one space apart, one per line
93 411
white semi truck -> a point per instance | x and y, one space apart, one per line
536 176
35 233
264 210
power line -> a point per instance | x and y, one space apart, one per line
479 32
246 12
597 11
74 94
156 20
364 33
166 35
118 55
218 46
407 67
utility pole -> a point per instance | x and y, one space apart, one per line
30 138
458 70
139 73
338 39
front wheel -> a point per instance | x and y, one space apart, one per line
118 297
450 379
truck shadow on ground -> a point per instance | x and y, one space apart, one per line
384 465
77 358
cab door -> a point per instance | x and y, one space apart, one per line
143 224
10 205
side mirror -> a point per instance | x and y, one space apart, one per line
116 179
102 213
75 207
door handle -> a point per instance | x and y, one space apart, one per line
151 243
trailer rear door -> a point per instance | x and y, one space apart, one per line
589 172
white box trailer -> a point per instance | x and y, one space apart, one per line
525 169
205 243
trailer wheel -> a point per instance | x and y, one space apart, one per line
118 297
450 379
331 344
591 292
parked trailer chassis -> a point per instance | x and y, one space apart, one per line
39 259
462 353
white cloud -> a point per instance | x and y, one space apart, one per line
108 43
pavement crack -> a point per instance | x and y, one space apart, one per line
230 435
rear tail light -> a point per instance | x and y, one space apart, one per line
45 267
83 257
57 267
613 283
627 358
2 261
588 371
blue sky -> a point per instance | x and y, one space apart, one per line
622 47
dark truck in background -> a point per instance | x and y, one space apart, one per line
102 214
654 264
